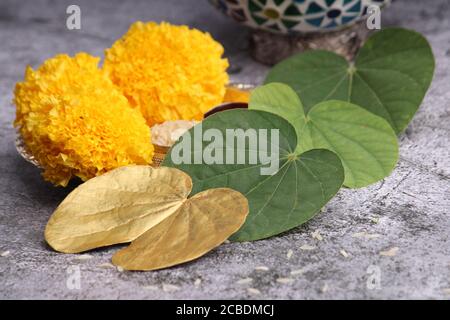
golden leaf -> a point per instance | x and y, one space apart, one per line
198 226
116 207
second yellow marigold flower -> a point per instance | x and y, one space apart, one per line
168 72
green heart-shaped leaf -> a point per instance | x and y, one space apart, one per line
366 143
303 184
389 78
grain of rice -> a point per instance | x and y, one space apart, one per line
390 252
170 287
262 268
285 280
253 291
316 235
289 254
307 247
244 281
5 253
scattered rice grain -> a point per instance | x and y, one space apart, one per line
253 291
365 235
374 220
285 280
150 288
170 287
5 253
262 268
106 265
297 272
390 252
244 281
289 254
83 257
316 235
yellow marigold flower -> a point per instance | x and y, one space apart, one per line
168 72
75 121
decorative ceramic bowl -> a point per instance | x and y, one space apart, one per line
296 16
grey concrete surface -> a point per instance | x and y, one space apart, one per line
411 206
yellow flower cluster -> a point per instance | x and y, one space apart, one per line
76 122
79 120
168 72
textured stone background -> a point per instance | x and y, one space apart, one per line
412 205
